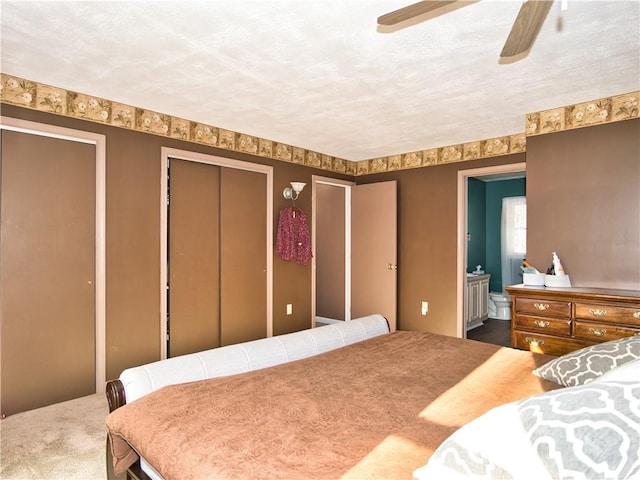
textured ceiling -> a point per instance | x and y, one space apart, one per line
320 74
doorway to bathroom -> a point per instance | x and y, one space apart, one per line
496 229
480 197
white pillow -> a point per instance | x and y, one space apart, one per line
584 432
493 446
627 372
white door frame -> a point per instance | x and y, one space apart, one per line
167 153
315 180
463 176
52 131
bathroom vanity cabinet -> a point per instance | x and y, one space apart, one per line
559 320
477 295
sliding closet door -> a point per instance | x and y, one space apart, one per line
47 270
193 264
243 268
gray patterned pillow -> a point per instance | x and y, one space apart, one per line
591 431
586 432
586 364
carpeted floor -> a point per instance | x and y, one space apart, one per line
65 441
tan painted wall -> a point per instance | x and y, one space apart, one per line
427 229
583 193
582 200
132 240
426 226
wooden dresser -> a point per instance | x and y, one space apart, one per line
559 320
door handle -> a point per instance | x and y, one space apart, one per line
391 266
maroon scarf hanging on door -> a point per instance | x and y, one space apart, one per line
293 243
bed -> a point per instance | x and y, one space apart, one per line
377 407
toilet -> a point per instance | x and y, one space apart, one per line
499 305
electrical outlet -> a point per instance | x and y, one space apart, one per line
425 308
289 308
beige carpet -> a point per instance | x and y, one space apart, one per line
65 441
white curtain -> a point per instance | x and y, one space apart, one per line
513 239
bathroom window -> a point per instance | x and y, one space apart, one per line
514 221
514 238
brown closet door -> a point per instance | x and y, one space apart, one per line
194 283
47 271
374 248
243 256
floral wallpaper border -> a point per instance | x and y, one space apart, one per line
37 96
605 110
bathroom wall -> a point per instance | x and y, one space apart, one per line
484 213
476 223
495 192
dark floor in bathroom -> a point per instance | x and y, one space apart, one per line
493 331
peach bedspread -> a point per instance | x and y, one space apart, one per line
375 409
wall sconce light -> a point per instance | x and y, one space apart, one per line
292 192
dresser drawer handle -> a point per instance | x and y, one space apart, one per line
541 323
597 313
636 315
541 306
534 342
598 332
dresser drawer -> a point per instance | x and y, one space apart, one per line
608 313
543 307
553 326
540 343
601 332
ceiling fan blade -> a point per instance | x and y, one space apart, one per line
526 27
411 11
